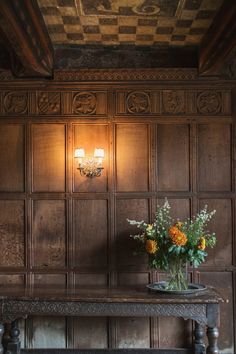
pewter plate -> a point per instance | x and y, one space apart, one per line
192 288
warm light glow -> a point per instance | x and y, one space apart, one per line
87 165
98 152
79 152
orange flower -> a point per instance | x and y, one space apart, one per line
202 243
178 238
151 246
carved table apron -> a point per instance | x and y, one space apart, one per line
21 302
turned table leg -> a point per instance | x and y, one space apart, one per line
13 346
1 335
199 346
212 334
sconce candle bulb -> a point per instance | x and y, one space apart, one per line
90 166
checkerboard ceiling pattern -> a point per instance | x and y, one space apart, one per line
128 22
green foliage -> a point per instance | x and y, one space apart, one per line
166 240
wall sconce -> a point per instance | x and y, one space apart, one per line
90 166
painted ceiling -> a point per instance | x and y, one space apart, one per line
128 22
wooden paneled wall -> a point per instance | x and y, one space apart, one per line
173 140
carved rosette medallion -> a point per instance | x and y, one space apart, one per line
138 102
173 101
209 102
84 103
49 102
15 102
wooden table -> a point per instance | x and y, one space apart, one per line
203 308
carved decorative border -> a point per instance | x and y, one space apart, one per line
126 74
13 309
154 102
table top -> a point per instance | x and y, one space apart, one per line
105 295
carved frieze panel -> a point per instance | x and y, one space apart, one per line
15 102
49 102
138 102
174 102
209 102
84 103
56 103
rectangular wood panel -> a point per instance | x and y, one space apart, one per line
133 209
173 169
214 155
133 332
132 157
48 233
90 332
90 233
89 137
98 279
174 333
49 279
48 153
12 158
14 279
221 224
12 230
48 332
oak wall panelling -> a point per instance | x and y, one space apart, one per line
12 147
170 136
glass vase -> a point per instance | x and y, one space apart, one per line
177 279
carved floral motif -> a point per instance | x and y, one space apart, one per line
84 103
23 308
209 102
138 102
173 101
15 102
49 102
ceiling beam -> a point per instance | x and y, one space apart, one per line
26 38
219 40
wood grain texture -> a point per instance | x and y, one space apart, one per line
133 209
90 233
173 157
132 156
48 233
12 232
12 158
74 230
48 150
214 151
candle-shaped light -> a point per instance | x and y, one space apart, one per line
79 154
99 155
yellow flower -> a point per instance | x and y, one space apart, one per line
179 224
149 227
202 243
178 238
151 246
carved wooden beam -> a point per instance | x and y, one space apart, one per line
27 39
219 40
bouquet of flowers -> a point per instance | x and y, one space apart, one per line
170 244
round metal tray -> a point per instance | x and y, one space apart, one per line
192 288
